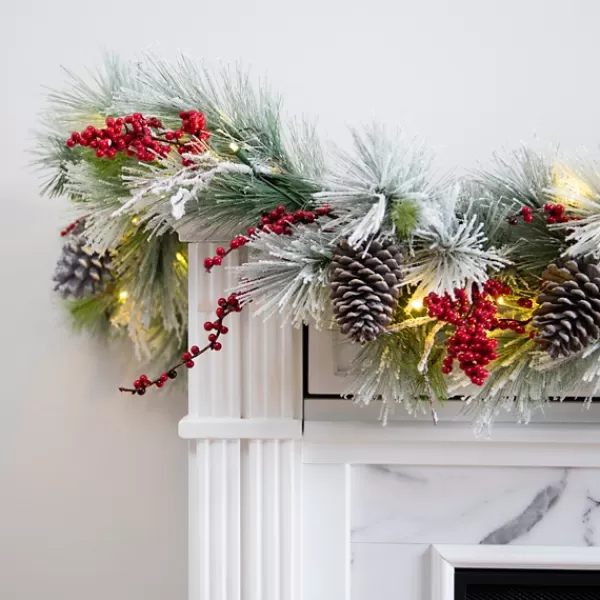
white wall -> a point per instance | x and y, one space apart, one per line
93 485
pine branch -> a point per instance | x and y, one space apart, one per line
388 369
362 187
289 276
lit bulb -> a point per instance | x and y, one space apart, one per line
181 258
135 221
416 304
500 300
123 295
234 147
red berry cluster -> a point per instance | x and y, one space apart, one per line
67 230
217 261
143 137
555 213
469 345
278 221
226 307
516 325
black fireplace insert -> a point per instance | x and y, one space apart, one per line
517 584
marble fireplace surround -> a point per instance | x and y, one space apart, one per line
295 498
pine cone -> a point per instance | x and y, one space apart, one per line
81 271
568 318
365 286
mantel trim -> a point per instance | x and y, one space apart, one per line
445 559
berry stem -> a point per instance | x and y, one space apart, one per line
226 307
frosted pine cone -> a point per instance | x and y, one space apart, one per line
568 318
365 286
81 271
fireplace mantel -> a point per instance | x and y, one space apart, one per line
281 486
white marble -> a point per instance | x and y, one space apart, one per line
473 505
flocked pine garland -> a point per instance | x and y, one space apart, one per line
487 287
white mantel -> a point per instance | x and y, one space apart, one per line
293 500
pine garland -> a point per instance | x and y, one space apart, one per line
152 151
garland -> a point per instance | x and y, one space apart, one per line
487 286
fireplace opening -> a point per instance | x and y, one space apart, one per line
517 584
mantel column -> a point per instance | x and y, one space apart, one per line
244 428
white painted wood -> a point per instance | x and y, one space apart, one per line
454 454
452 444
244 426
452 412
217 428
446 559
327 560
270 514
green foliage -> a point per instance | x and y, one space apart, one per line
453 234
389 367
93 313
404 215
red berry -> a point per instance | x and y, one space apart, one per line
137 384
164 377
220 312
281 209
212 337
221 251
160 383
218 261
548 207
186 356
551 220
234 244
251 231
224 330
71 143
217 346
222 302
528 218
208 263
195 350
208 326
189 364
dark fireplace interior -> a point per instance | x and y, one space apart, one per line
517 584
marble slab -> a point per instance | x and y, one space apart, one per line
475 505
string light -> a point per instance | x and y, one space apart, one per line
181 259
567 180
416 304
123 295
135 221
234 147
500 300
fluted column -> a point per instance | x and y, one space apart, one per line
244 429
